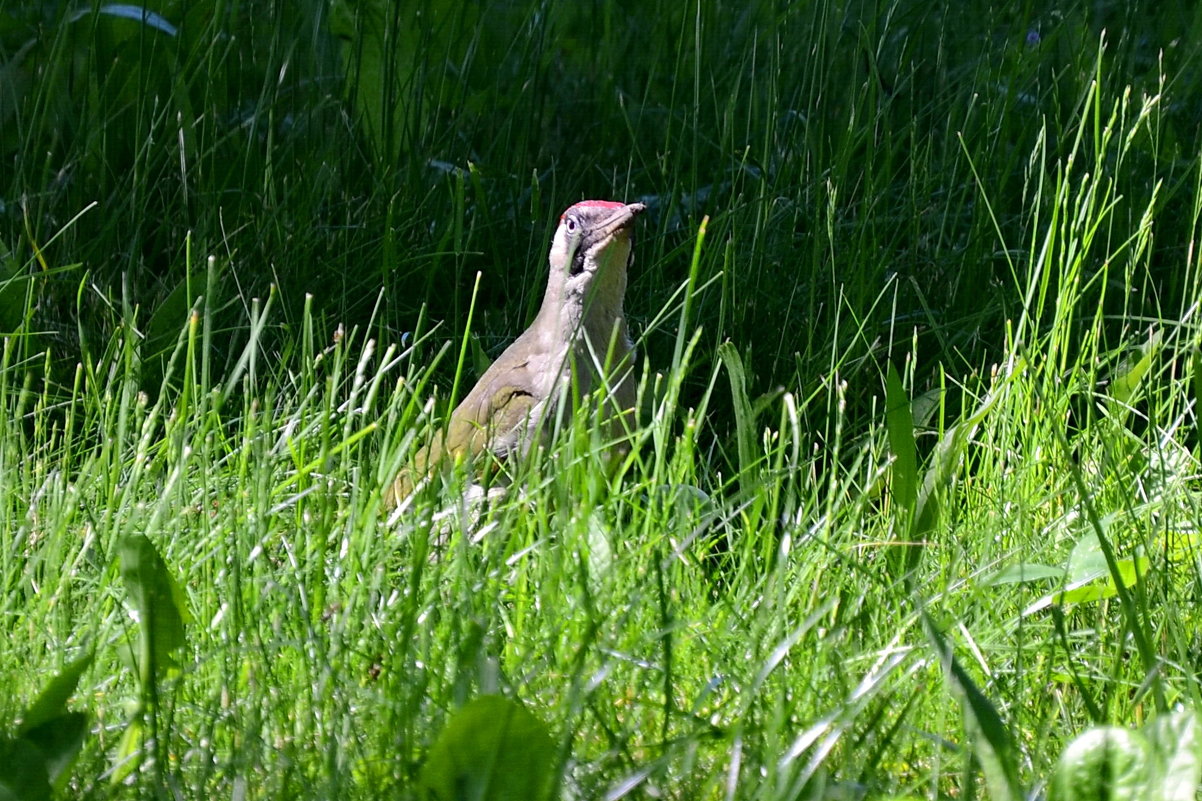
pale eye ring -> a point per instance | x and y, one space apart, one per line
572 225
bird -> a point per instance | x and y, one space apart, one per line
579 342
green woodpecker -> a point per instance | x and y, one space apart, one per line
576 344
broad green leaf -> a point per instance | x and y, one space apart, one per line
47 724
480 360
1130 571
1023 572
1176 754
1087 561
52 702
59 740
1089 576
23 775
491 750
386 50
156 600
167 326
1106 763
1129 375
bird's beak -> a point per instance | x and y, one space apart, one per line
621 219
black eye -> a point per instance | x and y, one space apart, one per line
572 225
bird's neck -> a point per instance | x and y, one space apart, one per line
565 319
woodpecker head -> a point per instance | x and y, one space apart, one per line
590 253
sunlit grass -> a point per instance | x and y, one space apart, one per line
918 309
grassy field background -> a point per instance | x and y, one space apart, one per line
915 496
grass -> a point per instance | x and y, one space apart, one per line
914 496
